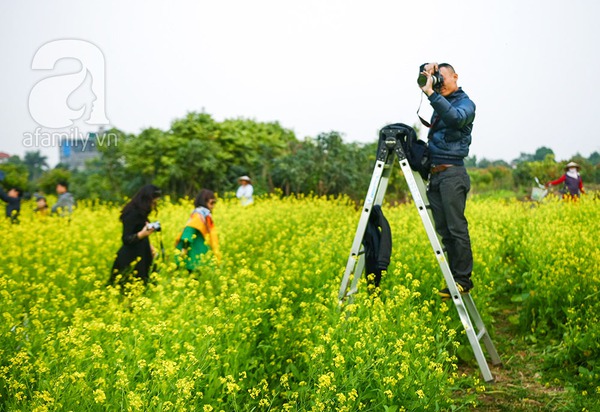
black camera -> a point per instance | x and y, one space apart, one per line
154 225
438 79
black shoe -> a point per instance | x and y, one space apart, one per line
445 293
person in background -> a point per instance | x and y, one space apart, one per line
245 191
572 180
134 258
449 139
200 234
66 201
41 208
13 202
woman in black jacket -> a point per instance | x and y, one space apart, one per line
134 258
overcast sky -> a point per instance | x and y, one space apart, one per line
532 67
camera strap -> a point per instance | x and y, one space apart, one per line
425 122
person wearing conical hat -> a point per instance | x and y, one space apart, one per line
245 191
571 179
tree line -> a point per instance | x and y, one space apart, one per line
199 152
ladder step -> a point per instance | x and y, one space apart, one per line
481 334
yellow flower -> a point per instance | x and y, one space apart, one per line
99 396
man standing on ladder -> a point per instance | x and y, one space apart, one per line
449 139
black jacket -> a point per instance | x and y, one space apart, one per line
13 205
133 248
377 242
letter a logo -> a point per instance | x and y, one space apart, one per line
48 100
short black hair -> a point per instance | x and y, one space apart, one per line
63 183
448 66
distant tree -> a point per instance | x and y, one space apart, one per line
36 164
541 153
14 160
199 152
50 178
594 159
330 167
293 171
198 163
327 166
253 147
522 174
548 169
91 183
15 174
471 161
149 156
105 177
110 165
523 158
503 163
483 163
481 180
64 166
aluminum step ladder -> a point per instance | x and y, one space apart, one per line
390 146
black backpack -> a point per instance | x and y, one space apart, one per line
415 150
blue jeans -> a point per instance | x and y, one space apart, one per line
447 194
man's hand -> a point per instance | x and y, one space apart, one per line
431 68
428 70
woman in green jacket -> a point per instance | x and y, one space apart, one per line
200 234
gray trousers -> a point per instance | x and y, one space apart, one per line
447 194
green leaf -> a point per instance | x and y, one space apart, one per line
520 298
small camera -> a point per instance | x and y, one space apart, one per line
154 225
438 79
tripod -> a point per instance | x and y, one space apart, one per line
390 145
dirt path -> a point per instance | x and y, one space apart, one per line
519 382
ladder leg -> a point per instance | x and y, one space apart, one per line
472 336
375 194
358 270
466 309
481 329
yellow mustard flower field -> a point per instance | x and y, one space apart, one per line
263 330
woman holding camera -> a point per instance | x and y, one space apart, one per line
200 234
134 258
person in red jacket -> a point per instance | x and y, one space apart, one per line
571 179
